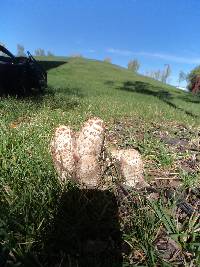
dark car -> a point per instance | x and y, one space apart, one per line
20 75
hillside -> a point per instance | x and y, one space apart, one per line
126 93
156 119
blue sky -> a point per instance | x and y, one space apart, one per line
156 32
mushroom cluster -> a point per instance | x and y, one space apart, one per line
77 156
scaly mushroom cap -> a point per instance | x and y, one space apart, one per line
63 152
131 166
89 147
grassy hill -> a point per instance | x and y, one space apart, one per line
159 120
126 93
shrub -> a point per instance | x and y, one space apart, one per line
191 77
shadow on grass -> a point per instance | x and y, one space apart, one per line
63 98
147 89
110 83
195 99
69 91
17 91
85 231
48 65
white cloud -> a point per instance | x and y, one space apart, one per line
119 52
91 51
168 57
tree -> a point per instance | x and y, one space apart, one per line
134 65
157 74
40 52
108 60
50 54
192 78
20 50
160 75
182 77
166 73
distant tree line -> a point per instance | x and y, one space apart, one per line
37 52
21 51
160 75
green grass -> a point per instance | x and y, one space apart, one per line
140 107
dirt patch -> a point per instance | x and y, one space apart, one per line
171 152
